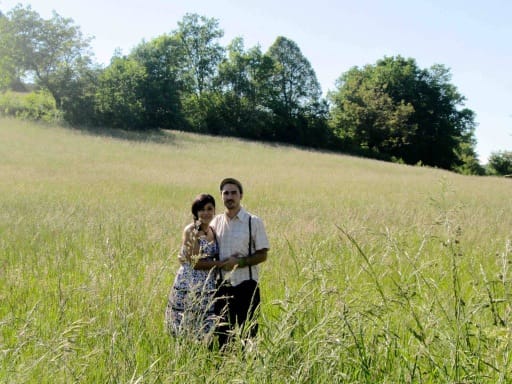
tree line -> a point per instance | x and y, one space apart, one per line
185 79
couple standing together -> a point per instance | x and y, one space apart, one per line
216 287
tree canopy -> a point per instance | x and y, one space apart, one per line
295 93
201 50
394 109
47 51
242 92
500 163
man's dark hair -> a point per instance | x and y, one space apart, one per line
230 180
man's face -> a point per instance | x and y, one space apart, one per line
231 196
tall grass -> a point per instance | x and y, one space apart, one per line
378 273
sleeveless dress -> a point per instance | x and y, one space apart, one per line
190 307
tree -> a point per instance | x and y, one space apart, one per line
162 88
465 151
500 163
119 100
394 109
199 40
294 95
45 51
367 118
201 51
241 92
78 94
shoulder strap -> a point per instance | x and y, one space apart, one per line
250 246
250 238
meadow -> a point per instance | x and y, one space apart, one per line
378 272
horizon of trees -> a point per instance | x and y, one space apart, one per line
185 79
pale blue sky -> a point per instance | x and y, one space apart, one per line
473 38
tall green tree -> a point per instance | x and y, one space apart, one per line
78 93
394 109
46 51
367 118
162 88
241 83
202 52
119 100
199 40
295 93
294 81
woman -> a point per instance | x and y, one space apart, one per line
190 308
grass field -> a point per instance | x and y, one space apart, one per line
378 272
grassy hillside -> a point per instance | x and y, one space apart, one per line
378 272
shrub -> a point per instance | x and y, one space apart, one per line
36 105
500 163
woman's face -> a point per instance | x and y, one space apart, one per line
207 213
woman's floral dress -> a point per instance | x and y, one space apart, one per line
190 307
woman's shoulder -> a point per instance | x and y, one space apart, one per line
190 226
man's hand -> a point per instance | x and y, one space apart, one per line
230 263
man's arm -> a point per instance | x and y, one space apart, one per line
236 261
257 257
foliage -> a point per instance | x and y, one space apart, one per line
119 99
392 110
78 103
465 151
241 93
7 68
294 83
47 51
294 94
395 109
199 53
199 37
500 163
163 86
381 124
469 160
36 105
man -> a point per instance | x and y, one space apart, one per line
243 245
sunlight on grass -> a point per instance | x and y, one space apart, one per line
378 272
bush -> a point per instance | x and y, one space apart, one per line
36 105
500 163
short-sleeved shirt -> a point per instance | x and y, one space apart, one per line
233 238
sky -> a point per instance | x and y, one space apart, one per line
472 38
